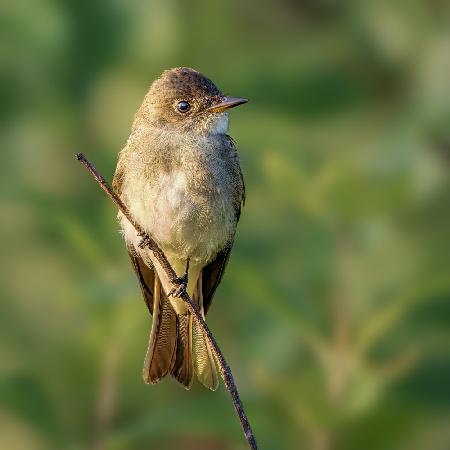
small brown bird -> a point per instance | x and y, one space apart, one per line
180 177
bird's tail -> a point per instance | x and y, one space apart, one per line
177 345
204 364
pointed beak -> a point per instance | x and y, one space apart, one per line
226 103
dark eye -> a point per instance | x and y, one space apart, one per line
184 106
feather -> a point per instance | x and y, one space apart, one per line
212 275
162 345
182 368
204 364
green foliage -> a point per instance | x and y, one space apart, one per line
334 312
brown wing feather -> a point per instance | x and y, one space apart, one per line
146 278
117 180
212 276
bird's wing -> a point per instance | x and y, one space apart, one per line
146 277
212 275
117 180
145 274
213 272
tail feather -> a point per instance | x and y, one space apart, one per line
177 345
204 364
182 368
163 338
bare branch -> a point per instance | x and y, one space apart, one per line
224 368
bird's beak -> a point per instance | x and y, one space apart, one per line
226 103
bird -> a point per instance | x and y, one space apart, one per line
179 174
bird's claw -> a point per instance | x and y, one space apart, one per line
181 289
180 283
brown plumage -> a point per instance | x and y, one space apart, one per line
180 177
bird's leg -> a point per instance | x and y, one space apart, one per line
180 282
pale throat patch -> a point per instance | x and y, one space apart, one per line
220 124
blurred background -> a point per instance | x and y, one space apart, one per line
334 312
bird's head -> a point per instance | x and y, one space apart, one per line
185 100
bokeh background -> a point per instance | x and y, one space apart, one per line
334 312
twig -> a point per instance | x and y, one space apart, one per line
224 368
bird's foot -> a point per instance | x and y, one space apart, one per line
180 283
144 240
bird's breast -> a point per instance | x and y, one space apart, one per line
188 212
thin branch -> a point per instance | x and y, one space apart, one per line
224 368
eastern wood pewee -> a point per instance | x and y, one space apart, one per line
180 177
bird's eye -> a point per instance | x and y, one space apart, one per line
184 106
